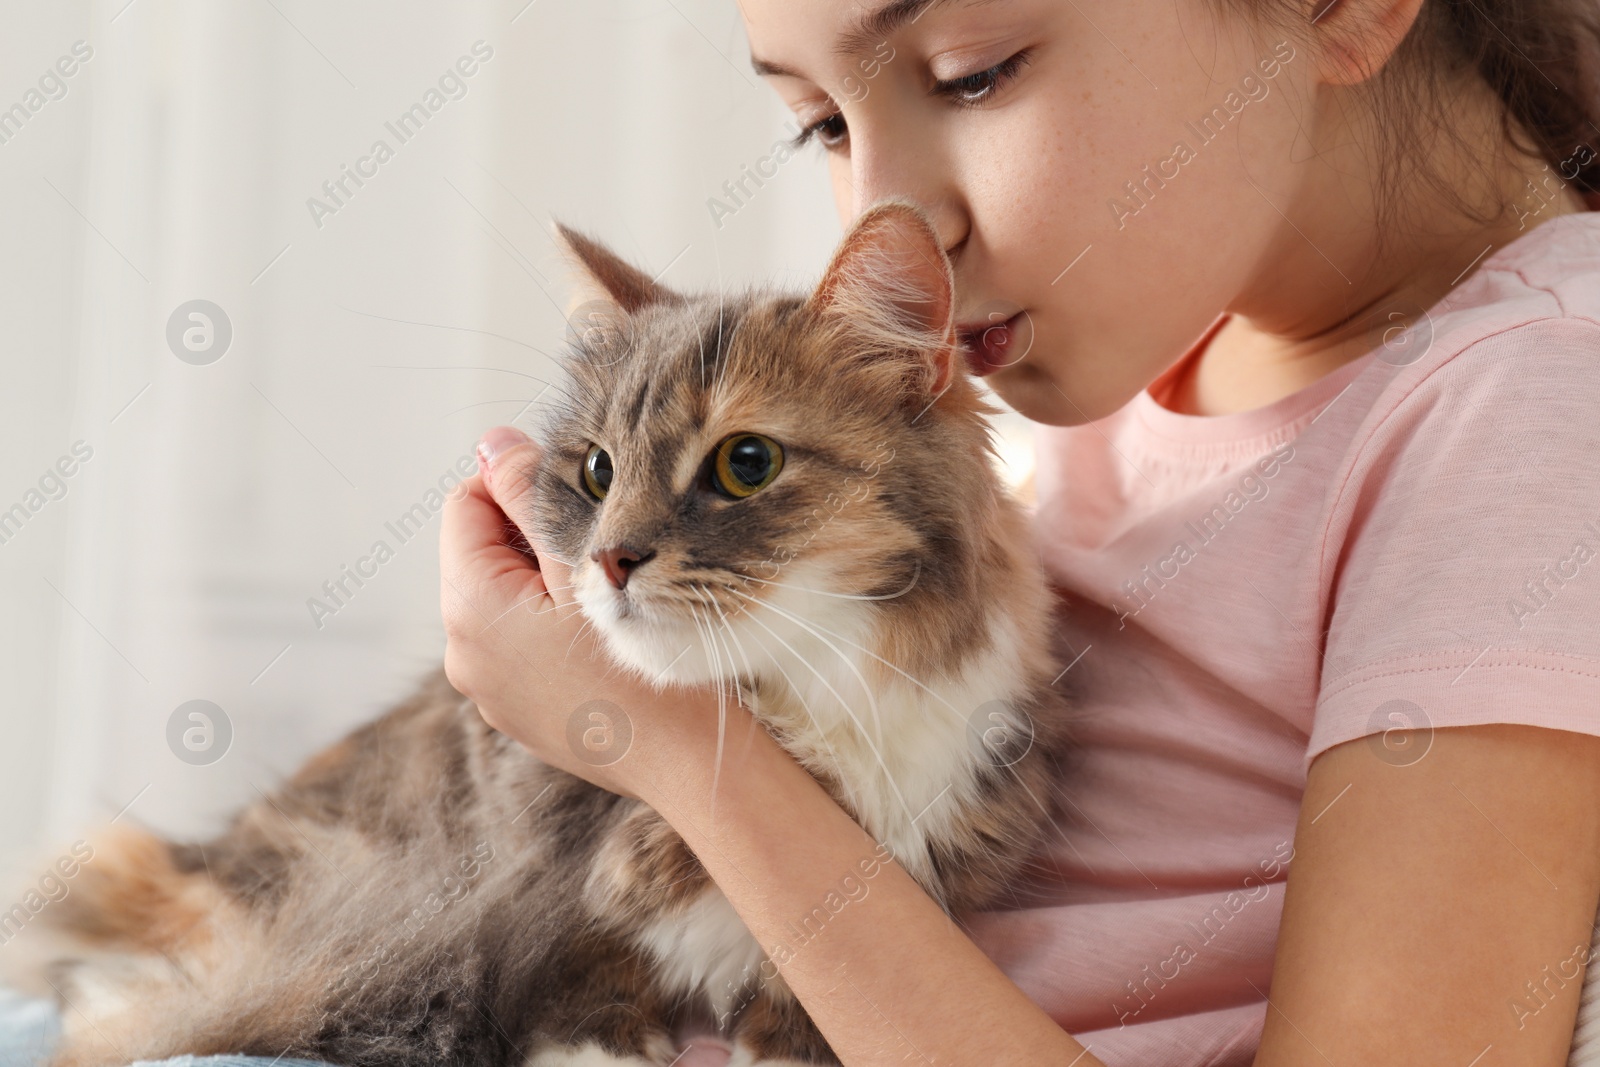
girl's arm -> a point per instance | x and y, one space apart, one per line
888 979
1439 912
1421 902
1424 903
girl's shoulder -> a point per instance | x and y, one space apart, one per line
1545 284
1508 365
1518 340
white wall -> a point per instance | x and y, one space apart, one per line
220 497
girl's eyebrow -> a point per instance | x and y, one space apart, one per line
867 31
875 26
764 67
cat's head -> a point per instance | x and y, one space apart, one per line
736 475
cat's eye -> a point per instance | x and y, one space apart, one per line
745 463
597 472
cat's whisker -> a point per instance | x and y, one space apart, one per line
860 727
913 679
749 672
817 630
442 326
701 339
908 677
866 688
728 636
722 298
722 709
805 705
727 630
570 609
588 624
915 574
486 403
721 633
560 588
518 604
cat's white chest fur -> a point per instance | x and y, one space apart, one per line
902 750
708 949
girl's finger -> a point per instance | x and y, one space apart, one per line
474 551
558 579
509 459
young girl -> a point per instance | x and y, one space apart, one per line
1307 298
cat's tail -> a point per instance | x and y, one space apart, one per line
118 893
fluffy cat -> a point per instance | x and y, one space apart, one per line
791 495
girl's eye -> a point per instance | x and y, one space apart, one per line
745 463
829 131
979 87
597 472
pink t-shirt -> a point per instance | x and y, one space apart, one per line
1412 541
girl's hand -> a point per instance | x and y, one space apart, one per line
517 646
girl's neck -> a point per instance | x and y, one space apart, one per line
1322 303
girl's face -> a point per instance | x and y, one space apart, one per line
1105 174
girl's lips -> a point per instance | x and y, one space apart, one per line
992 345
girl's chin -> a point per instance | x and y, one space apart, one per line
1032 393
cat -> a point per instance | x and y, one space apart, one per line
791 495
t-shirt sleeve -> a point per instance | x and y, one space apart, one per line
1465 586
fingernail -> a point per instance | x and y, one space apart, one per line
498 441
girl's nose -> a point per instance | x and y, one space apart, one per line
882 170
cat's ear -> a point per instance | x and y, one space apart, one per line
890 284
602 275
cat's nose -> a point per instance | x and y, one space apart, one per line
619 561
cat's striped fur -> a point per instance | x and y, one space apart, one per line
425 893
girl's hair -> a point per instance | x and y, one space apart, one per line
1540 57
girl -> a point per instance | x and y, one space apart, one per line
1325 570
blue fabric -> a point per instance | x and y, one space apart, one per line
30 1028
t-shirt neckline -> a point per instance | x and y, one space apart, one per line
1261 422
1236 426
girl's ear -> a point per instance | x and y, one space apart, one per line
890 285
603 276
1357 37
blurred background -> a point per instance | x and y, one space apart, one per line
243 344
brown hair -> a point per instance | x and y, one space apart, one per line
1540 58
